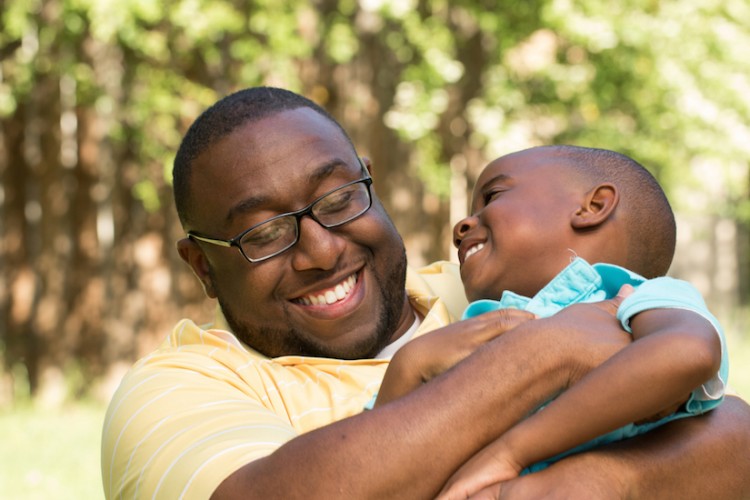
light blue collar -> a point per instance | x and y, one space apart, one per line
578 282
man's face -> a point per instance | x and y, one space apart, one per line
281 164
519 236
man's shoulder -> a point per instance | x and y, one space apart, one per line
441 279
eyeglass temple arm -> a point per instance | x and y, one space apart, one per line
221 243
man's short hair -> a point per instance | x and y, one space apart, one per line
223 118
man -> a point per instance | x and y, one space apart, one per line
267 403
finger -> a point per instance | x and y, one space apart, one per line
507 319
625 291
614 303
449 492
491 492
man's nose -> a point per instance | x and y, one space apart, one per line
318 247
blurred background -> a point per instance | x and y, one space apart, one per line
95 96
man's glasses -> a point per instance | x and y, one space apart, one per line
277 234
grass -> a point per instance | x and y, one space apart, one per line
51 453
739 365
55 453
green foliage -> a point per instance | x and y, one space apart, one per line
666 82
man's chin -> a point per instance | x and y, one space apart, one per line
361 340
275 342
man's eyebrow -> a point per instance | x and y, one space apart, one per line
251 203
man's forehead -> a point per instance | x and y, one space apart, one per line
310 177
280 155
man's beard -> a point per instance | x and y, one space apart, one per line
275 342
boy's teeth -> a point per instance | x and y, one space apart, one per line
474 250
331 296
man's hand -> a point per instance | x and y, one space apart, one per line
596 344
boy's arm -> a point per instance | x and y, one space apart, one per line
426 357
674 352
701 457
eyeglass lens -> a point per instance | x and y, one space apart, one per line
336 208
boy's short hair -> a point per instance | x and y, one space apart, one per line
650 221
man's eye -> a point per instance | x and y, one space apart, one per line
334 202
267 233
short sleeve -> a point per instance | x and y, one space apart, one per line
175 432
668 292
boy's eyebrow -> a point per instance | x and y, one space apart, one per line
482 189
252 202
493 180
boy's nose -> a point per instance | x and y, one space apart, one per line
461 228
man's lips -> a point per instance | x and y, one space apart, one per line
330 295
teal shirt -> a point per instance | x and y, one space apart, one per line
581 282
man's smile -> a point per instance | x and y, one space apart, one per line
330 295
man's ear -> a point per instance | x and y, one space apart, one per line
598 205
367 164
193 255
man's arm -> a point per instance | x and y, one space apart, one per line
701 457
406 449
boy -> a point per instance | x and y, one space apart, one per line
540 217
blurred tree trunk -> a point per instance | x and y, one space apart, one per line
20 298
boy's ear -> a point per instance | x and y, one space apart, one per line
193 255
598 205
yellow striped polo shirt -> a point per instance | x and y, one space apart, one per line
203 404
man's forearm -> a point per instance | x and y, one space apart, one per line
408 448
702 457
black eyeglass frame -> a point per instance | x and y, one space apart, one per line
297 214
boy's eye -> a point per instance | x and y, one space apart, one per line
491 195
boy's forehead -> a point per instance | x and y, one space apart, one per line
501 169
535 168
524 164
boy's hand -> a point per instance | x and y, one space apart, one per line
556 483
428 356
486 469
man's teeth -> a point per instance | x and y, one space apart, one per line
473 250
332 295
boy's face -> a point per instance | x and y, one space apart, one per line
519 235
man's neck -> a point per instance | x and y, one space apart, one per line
408 316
